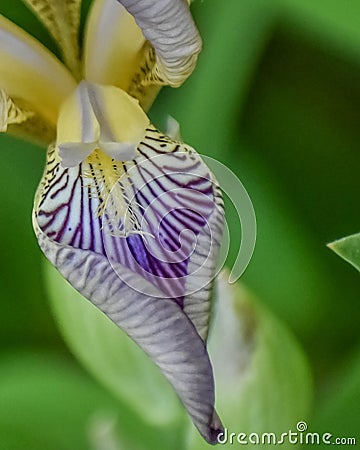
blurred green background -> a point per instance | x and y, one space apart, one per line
276 97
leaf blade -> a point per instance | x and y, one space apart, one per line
348 248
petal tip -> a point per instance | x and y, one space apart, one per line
215 430
73 153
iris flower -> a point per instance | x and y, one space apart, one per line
132 218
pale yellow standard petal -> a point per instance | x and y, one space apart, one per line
28 71
113 45
62 19
99 117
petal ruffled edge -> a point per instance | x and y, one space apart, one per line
169 27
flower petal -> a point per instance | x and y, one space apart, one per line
62 19
169 27
86 219
17 119
173 222
113 45
103 117
10 113
28 71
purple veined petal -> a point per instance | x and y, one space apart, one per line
69 218
170 230
169 27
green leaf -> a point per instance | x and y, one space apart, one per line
219 84
23 303
111 356
338 411
349 249
218 90
262 377
48 403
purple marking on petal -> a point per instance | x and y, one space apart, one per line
152 259
169 194
119 274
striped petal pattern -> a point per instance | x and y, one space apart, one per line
10 113
18 119
116 232
62 19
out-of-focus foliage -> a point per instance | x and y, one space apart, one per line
263 379
276 97
47 403
349 249
339 412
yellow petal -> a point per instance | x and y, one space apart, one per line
18 119
99 117
113 45
28 71
140 88
62 19
10 113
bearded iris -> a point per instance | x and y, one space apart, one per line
129 216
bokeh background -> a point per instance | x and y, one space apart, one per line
276 97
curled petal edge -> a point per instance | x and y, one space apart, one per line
169 27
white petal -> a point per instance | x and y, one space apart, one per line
173 128
73 153
121 151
